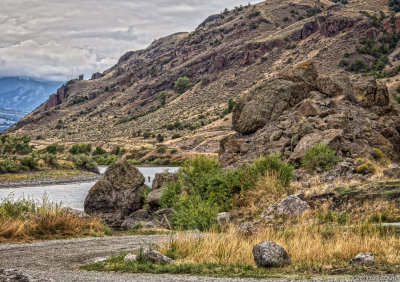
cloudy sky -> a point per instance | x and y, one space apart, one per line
59 39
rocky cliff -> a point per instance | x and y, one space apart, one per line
226 55
301 108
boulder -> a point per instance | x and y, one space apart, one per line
155 256
153 198
363 258
75 212
117 194
130 257
269 254
329 137
224 217
335 85
290 206
308 109
246 229
161 178
7 275
137 217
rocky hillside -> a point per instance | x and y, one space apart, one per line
228 54
301 108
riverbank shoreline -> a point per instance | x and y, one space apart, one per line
6 184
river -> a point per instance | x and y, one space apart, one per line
72 195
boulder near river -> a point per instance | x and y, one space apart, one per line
117 194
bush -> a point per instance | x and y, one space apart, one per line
378 154
176 136
104 159
81 149
197 166
29 163
366 168
170 194
320 157
84 162
274 163
54 149
99 151
9 166
160 138
50 159
193 212
182 85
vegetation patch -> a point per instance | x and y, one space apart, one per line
320 157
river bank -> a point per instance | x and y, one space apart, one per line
39 182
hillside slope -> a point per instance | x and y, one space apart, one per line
226 55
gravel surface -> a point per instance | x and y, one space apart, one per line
48 181
59 260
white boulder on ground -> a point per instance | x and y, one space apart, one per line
269 254
130 257
224 217
363 258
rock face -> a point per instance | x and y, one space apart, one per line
116 194
269 254
290 206
8 275
363 258
161 178
137 217
298 108
392 172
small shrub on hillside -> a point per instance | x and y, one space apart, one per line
320 157
29 163
78 149
104 159
378 154
182 84
197 166
84 162
366 168
54 149
50 159
9 166
274 163
160 138
99 151
176 136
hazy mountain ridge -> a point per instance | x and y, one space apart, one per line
8 117
25 94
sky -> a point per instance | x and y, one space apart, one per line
58 39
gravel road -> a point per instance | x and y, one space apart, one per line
59 260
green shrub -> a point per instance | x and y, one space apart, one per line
10 208
182 85
197 166
191 212
99 151
320 157
84 162
274 163
104 159
176 136
170 194
9 166
29 163
378 154
81 149
54 149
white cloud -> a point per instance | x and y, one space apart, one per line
58 39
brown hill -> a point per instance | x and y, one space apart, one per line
226 55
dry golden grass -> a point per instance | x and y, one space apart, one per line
25 220
310 246
44 174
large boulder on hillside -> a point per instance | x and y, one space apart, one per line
290 206
116 194
268 100
269 254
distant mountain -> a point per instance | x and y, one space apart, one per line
8 117
25 94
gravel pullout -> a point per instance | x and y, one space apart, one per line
59 260
48 181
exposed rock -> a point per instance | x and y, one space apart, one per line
161 178
116 194
335 85
224 217
130 257
155 256
392 172
342 169
308 108
363 258
100 259
269 254
329 137
246 229
153 198
155 224
137 217
290 206
78 213
9 275
96 75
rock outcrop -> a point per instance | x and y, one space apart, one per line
290 206
363 258
299 108
116 195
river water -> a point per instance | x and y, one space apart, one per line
72 195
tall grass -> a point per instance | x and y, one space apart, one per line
310 246
25 219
